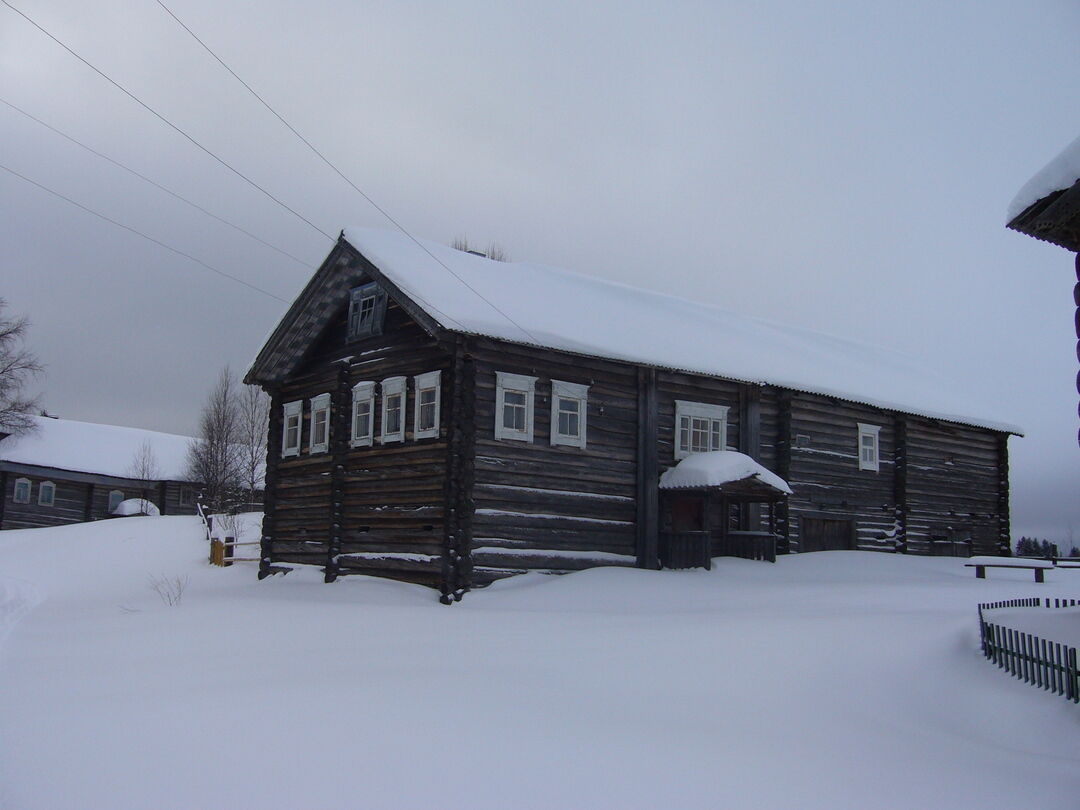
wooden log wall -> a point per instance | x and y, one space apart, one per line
548 507
457 568
391 497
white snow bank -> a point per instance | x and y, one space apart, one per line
549 307
104 449
136 506
1060 173
1051 624
716 468
242 527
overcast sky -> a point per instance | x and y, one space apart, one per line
844 168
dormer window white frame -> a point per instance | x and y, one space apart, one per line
699 428
22 491
393 410
290 428
869 447
514 395
319 435
363 413
116 497
46 494
367 310
569 413
427 396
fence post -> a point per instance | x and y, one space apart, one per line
1073 686
227 554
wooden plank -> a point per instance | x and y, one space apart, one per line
648 473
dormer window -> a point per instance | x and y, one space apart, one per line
367 308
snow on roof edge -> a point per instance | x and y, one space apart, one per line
1059 174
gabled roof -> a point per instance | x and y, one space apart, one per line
1048 206
91 448
544 306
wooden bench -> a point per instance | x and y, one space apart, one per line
980 568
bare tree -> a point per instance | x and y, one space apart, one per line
494 250
144 464
214 457
17 366
253 412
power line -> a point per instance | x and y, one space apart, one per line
169 123
155 184
340 174
129 229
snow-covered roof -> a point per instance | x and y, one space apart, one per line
92 448
559 309
1060 173
716 468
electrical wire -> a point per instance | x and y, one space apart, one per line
341 174
155 184
166 121
130 229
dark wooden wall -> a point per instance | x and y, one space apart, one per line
392 497
540 506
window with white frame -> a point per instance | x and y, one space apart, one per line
46 493
22 491
393 410
869 447
363 413
290 429
116 497
569 411
514 406
320 424
426 400
699 428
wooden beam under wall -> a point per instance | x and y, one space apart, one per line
900 480
270 480
648 471
340 406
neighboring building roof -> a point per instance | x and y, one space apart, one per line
1048 205
91 448
718 467
552 308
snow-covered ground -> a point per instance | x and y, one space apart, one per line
830 680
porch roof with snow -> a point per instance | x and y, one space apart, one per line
447 290
729 473
1048 205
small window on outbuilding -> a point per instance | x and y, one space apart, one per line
22 491
514 406
699 428
569 412
320 424
186 496
363 413
426 400
869 447
290 428
393 410
116 497
46 493
367 309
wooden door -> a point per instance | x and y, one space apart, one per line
826 534
687 513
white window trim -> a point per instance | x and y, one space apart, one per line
119 500
292 409
29 491
704 410
875 432
504 382
568 390
390 387
421 382
363 391
41 493
319 404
